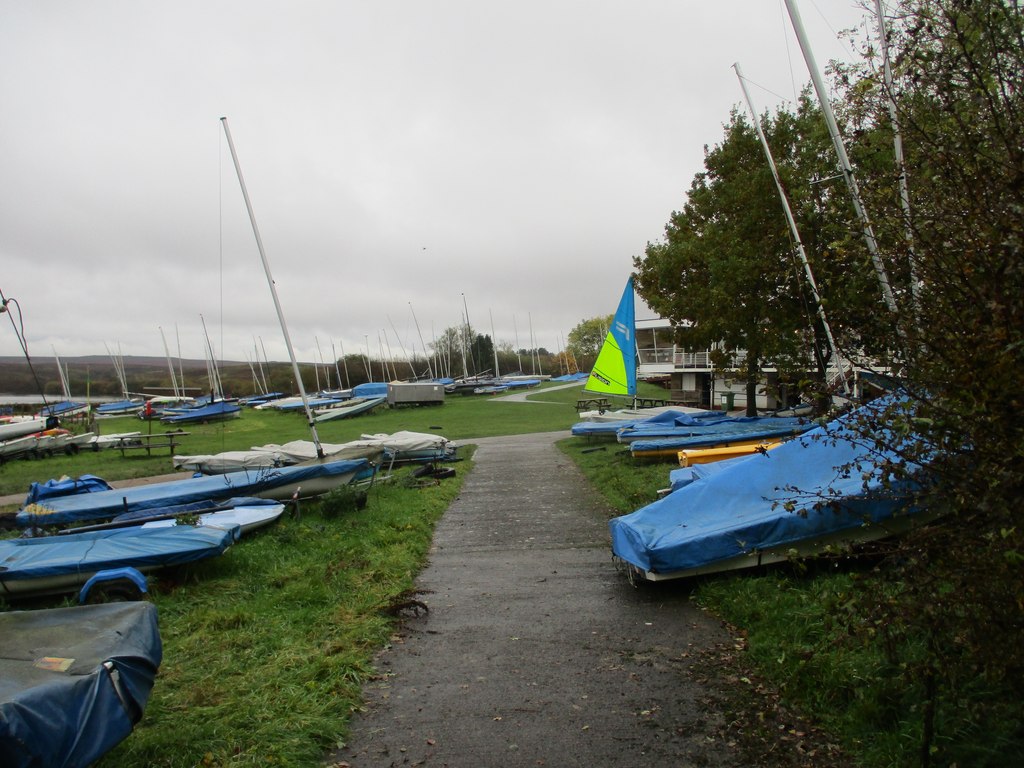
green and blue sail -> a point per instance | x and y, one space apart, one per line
614 371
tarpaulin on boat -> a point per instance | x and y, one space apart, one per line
74 681
370 389
736 509
52 564
591 428
268 483
740 435
723 425
65 486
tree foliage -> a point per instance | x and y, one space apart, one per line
949 601
585 339
727 272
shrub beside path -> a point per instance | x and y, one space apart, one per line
535 650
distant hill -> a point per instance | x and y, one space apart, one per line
95 375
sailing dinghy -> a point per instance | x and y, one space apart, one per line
614 371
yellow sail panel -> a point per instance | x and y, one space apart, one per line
614 372
609 375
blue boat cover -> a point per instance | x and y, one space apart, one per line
103 505
194 507
670 418
370 389
720 425
713 437
218 410
65 487
74 681
738 508
118 406
46 557
678 478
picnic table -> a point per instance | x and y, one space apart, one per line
151 442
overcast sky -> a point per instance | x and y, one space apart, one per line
406 160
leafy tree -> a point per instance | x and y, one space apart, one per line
958 83
725 273
586 338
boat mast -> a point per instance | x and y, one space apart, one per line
216 387
401 346
833 351
419 333
469 340
170 365
337 370
316 367
181 369
844 160
369 368
344 362
273 292
901 166
63 378
519 357
494 345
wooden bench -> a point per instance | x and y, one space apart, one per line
593 404
151 442
651 402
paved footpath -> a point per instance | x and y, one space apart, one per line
535 650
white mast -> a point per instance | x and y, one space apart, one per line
170 365
519 357
844 160
215 384
316 366
469 341
419 333
401 345
901 166
337 370
344 362
65 387
833 351
369 368
273 292
494 345
181 368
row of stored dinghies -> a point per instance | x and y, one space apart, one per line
76 680
750 491
227 491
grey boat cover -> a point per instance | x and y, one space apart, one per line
74 681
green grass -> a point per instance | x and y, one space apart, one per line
460 417
266 649
797 624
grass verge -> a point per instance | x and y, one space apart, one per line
266 648
808 660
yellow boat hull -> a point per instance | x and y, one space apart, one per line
691 456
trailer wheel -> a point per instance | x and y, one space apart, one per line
114 591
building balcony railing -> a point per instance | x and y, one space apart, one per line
656 356
675 358
692 360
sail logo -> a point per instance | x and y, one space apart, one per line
601 378
623 329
